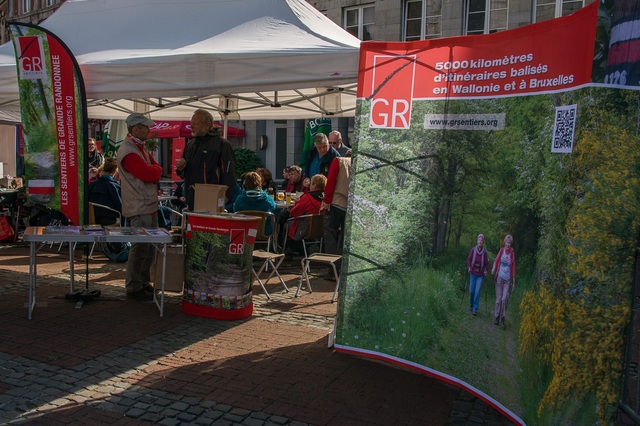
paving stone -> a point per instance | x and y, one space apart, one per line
127 402
278 420
179 406
196 410
135 413
170 413
151 417
169 422
190 400
186 417
223 407
163 402
233 417
239 412
214 414
251 421
259 415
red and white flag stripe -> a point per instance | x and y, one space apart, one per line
41 186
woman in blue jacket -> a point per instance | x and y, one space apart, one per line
254 198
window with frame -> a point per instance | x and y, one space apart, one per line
422 19
25 6
359 21
48 3
549 9
486 16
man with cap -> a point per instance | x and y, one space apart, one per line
335 140
139 176
207 158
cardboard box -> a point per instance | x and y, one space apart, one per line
174 271
209 198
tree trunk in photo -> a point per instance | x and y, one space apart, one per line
443 222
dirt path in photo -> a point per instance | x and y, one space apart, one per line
499 348
478 352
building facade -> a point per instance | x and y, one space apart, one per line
383 20
31 11
408 20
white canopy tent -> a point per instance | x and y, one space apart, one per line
246 59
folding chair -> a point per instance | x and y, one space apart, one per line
267 259
330 259
313 234
92 218
178 232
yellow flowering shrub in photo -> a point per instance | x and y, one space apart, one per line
577 324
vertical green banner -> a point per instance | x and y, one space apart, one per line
54 119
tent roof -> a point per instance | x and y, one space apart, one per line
172 57
9 117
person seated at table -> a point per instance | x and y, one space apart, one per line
253 197
285 177
106 191
296 180
309 203
164 216
179 203
268 185
95 159
228 207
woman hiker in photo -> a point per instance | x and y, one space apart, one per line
477 266
504 272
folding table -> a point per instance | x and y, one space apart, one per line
35 235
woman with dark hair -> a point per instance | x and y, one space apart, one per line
268 185
105 190
477 266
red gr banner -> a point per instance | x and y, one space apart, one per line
550 56
53 107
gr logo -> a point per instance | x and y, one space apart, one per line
236 241
392 91
31 58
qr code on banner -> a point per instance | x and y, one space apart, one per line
564 128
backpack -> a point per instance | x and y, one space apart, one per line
118 252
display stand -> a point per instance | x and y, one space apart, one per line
218 265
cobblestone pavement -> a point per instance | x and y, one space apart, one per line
115 361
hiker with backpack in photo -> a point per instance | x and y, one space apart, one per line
477 267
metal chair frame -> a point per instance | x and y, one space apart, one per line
330 259
92 218
314 234
268 259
